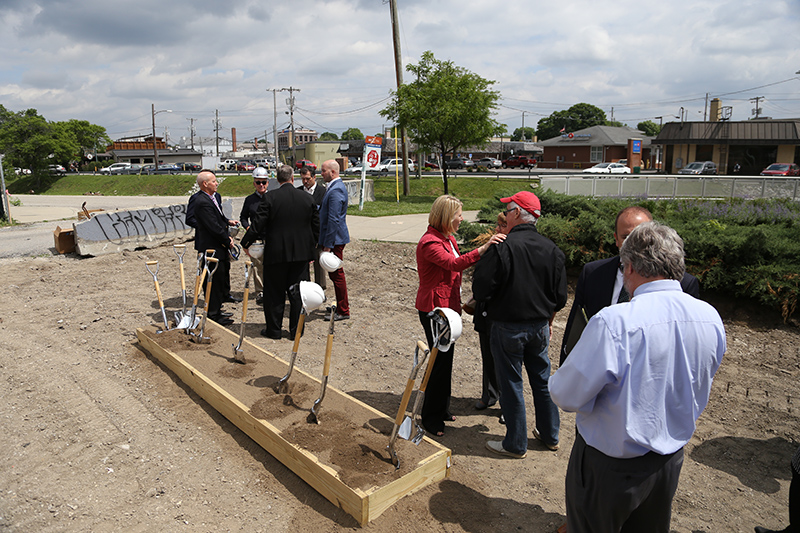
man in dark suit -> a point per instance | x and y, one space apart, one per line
600 282
211 232
288 222
317 192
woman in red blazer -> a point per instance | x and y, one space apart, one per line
439 267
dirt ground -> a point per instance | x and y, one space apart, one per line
96 435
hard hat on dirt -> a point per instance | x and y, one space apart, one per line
260 173
447 327
329 262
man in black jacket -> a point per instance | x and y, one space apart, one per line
246 217
523 281
288 222
211 232
600 282
317 192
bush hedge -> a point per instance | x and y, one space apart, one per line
742 247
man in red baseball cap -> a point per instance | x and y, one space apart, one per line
523 282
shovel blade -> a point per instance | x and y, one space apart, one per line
405 429
185 321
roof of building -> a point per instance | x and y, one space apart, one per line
599 136
751 132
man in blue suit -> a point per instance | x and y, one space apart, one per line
600 282
333 234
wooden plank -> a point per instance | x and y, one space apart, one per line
364 505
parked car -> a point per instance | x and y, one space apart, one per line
490 162
394 165
305 163
266 162
189 167
58 170
521 161
353 170
245 165
459 163
163 168
22 171
781 169
115 168
607 168
699 167
430 164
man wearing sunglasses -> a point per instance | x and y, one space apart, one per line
249 208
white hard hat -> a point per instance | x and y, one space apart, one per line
311 295
260 172
447 328
256 250
329 262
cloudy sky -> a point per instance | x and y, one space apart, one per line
108 61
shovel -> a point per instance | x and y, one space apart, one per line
443 335
148 264
399 423
192 321
314 416
311 296
180 250
238 353
201 339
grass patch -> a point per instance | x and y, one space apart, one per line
122 185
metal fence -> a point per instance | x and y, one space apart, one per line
675 187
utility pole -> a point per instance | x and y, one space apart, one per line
275 123
705 108
523 126
290 101
191 130
398 67
216 129
757 110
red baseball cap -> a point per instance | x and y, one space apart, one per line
527 201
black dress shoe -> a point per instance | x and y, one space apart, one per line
232 299
270 335
226 314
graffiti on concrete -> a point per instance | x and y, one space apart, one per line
156 223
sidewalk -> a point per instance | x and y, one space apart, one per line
400 228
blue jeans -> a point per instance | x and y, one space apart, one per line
515 344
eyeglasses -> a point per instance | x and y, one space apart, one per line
507 211
260 182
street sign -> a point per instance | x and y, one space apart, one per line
370 161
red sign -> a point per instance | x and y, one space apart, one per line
373 157
374 140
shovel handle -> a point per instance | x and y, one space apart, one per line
155 281
328 348
404 402
248 271
300 324
182 248
431 360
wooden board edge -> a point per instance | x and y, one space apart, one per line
304 464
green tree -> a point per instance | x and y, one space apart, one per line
575 118
352 134
88 136
649 128
614 123
445 108
30 141
529 134
328 136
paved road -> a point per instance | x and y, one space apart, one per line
40 214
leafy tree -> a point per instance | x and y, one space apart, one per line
649 127
352 134
575 118
445 108
614 123
88 136
328 136
529 134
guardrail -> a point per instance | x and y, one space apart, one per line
674 186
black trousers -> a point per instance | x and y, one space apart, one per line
436 406
610 495
278 277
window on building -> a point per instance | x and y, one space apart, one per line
596 155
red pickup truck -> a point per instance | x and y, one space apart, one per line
521 161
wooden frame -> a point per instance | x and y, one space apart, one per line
363 505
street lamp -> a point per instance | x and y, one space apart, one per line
154 113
